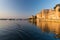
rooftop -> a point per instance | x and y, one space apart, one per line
57 5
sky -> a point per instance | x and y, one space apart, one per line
24 8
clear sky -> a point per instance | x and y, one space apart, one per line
24 8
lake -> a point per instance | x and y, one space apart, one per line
29 30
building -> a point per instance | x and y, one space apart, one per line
50 13
32 18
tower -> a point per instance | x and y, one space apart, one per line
57 10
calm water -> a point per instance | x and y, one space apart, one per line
24 30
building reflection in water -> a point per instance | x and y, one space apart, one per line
48 27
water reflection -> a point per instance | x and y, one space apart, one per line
49 27
23 30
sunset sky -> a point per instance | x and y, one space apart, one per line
24 8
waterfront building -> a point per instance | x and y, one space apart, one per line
49 13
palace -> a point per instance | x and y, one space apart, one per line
50 13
